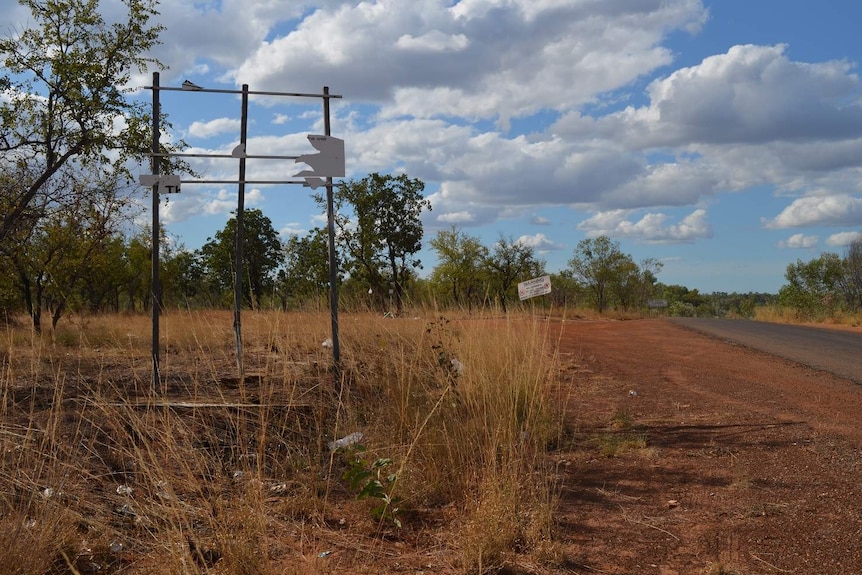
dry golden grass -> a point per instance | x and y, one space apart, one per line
779 314
100 471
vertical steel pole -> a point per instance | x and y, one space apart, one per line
155 280
240 237
333 259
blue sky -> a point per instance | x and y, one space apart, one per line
723 138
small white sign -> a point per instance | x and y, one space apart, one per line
168 183
534 287
329 163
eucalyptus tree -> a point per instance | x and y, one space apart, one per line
601 266
510 262
65 78
262 255
378 219
460 273
305 275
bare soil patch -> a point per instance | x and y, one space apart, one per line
693 455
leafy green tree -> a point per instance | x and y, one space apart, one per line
384 234
460 270
262 255
814 288
851 283
52 258
305 275
137 271
509 263
600 265
635 283
65 76
567 291
182 277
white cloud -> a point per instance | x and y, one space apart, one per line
539 242
433 41
188 204
292 229
540 221
505 59
797 241
843 239
837 210
214 127
456 217
750 94
651 228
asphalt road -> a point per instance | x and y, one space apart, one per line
838 352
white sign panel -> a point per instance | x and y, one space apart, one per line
168 183
329 163
534 287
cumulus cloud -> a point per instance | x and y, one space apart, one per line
539 242
797 241
518 57
651 228
837 210
183 206
214 127
843 239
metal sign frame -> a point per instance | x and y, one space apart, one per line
312 179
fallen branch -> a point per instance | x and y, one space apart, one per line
780 570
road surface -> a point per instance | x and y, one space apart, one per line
837 351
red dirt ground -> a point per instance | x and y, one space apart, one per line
737 462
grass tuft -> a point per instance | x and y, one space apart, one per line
100 471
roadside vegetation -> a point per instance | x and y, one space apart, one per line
444 430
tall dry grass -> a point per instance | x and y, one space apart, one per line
100 471
781 314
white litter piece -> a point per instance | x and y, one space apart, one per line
457 366
346 441
327 342
124 490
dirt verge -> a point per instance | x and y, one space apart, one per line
693 455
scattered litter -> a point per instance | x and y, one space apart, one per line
126 509
346 441
323 554
116 547
237 475
29 523
124 490
673 503
278 488
163 490
327 342
633 393
47 493
457 366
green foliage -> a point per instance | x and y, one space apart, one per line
369 479
509 263
814 287
67 71
262 255
612 277
305 275
384 234
459 277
